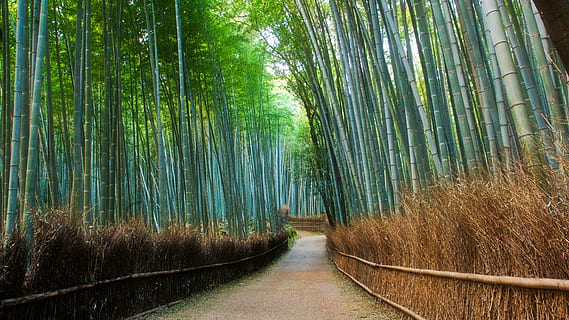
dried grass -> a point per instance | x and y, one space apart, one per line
511 224
61 256
13 262
310 223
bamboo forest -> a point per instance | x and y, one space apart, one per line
153 149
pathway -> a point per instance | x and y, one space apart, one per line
303 285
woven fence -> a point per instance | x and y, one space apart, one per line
312 224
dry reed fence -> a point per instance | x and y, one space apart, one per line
508 225
119 271
311 223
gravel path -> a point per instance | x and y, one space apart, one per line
302 285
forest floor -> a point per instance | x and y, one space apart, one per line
302 285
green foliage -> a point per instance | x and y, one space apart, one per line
305 154
403 93
292 235
237 116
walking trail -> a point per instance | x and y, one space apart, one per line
303 285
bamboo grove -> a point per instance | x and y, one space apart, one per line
166 110
402 93
163 111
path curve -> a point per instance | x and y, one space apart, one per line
303 285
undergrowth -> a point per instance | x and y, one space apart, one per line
511 224
292 234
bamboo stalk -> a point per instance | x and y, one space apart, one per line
19 81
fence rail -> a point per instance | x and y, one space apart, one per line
544 284
529 283
394 304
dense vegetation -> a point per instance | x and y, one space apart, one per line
504 225
165 111
403 93
445 121
169 111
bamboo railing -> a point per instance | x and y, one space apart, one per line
520 282
529 283
397 306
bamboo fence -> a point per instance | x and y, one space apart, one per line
84 300
545 284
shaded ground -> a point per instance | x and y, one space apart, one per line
302 285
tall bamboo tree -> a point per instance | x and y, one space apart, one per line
31 192
12 204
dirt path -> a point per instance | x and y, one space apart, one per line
303 285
